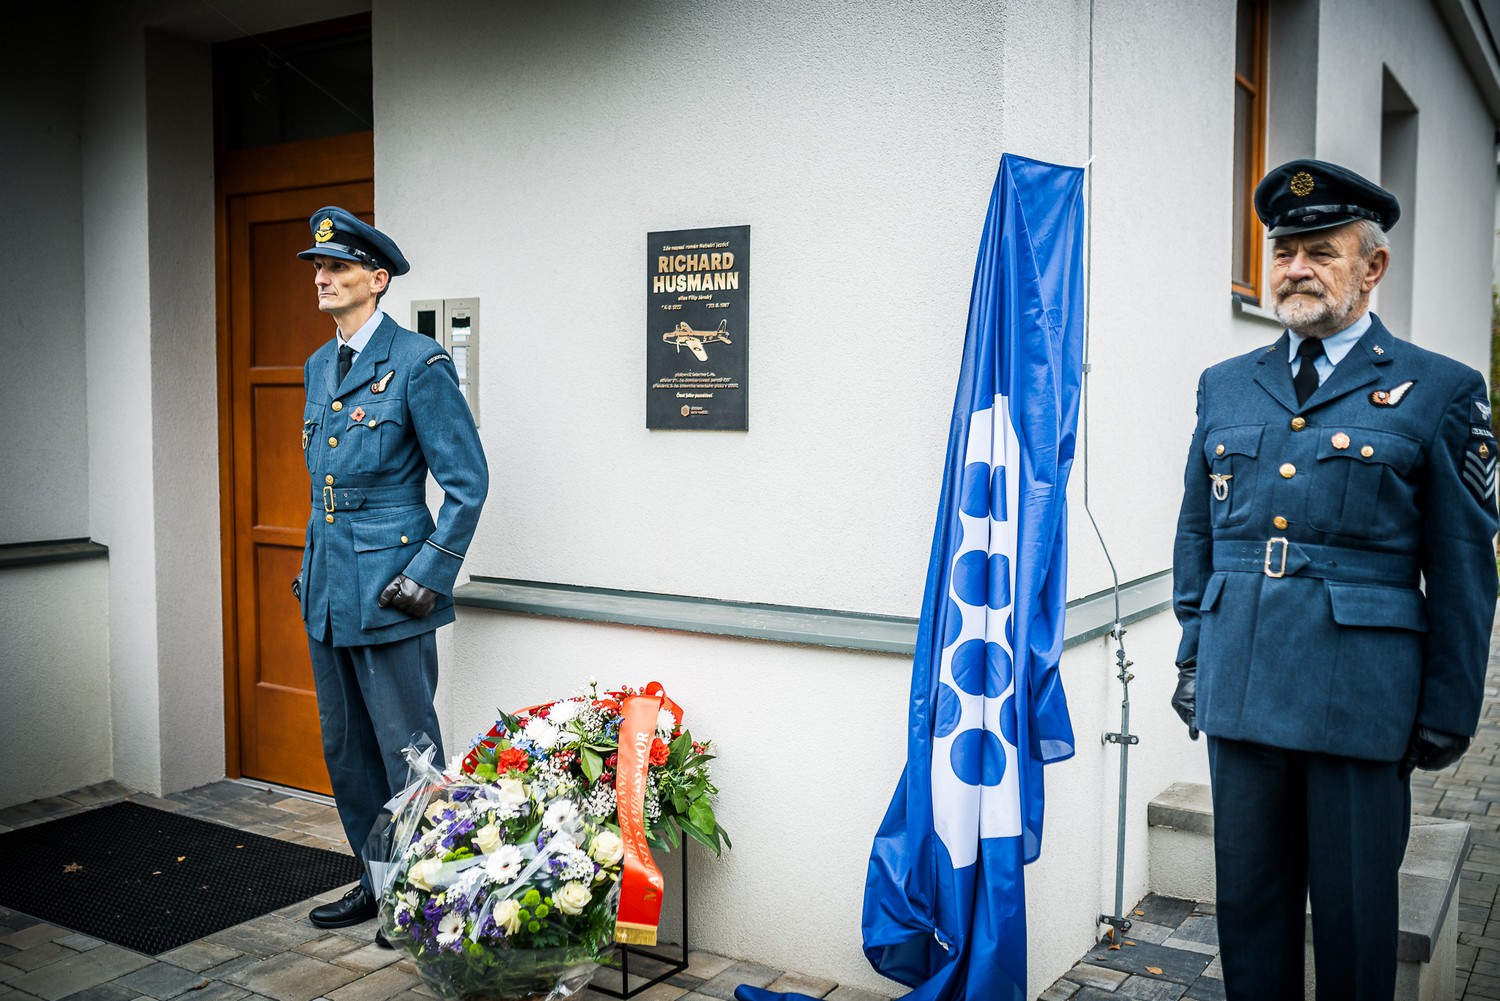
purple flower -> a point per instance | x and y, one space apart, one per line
461 793
457 831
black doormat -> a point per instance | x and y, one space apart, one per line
151 880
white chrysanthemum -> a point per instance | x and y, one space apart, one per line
467 883
503 865
576 865
564 711
665 721
542 733
455 767
561 814
450 929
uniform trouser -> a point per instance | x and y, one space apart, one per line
1289 824
372 701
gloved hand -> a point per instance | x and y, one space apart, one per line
1185 699
1432 750
297 587
408 596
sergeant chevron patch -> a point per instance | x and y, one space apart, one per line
1479 474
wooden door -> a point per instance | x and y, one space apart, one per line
269 324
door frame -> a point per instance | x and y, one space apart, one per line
347 158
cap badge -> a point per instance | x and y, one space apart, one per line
324 232
1391 397
1302 184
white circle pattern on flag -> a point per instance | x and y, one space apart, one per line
975 784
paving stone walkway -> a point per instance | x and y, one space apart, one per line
281 956
1179 937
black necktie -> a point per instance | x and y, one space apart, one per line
346 359
1306 379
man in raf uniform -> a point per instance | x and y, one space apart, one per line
383 409
1335 582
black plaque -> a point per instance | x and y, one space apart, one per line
697 329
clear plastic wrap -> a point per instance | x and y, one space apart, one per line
501 889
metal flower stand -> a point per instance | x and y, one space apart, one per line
673 964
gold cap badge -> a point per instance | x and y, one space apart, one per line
1302 184
325 230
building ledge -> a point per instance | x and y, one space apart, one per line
1088 618
26 554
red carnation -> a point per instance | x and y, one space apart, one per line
511 759
659 751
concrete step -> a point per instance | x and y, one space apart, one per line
1180 845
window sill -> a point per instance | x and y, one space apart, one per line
1087 618
1251 310
27 554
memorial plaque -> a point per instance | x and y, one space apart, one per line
697 329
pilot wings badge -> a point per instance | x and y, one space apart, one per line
1393 396
1221 485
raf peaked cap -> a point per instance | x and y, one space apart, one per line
1305 195
340 233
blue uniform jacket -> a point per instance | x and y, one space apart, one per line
370 442
1334 571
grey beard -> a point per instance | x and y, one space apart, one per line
1320 318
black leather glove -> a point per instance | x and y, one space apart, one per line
408 596
1432 750
1185 699
297 587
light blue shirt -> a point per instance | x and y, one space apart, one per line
362 335
1334 347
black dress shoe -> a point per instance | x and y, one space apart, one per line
382 941
353 907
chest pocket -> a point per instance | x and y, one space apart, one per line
1231 455
374 434
311 415
1362 488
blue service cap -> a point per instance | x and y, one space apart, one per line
1305 195
340 233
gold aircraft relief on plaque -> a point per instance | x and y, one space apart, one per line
684 336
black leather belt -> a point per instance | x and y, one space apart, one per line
332 499
1277 557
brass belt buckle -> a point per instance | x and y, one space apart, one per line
328 502
1279 571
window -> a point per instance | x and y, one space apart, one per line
1249 144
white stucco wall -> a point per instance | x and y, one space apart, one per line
44 451
54 690
861 148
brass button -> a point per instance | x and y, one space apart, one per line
1288 470
1218 450
1340 440
328 479
1279 521
328 518
1367 451
372 422
1298 423
337 406
333 443
403 540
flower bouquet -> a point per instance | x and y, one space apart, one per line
512 873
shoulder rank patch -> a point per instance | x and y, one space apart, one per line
1479 472
1479 412
440 356
1393 396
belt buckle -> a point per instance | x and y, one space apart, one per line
1279 571
328 499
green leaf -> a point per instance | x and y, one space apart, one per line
591 763
702 815
681 748
699 836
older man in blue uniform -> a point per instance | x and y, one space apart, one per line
384 409
1335 582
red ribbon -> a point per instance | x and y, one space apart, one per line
641 883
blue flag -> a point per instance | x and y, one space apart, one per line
945 898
